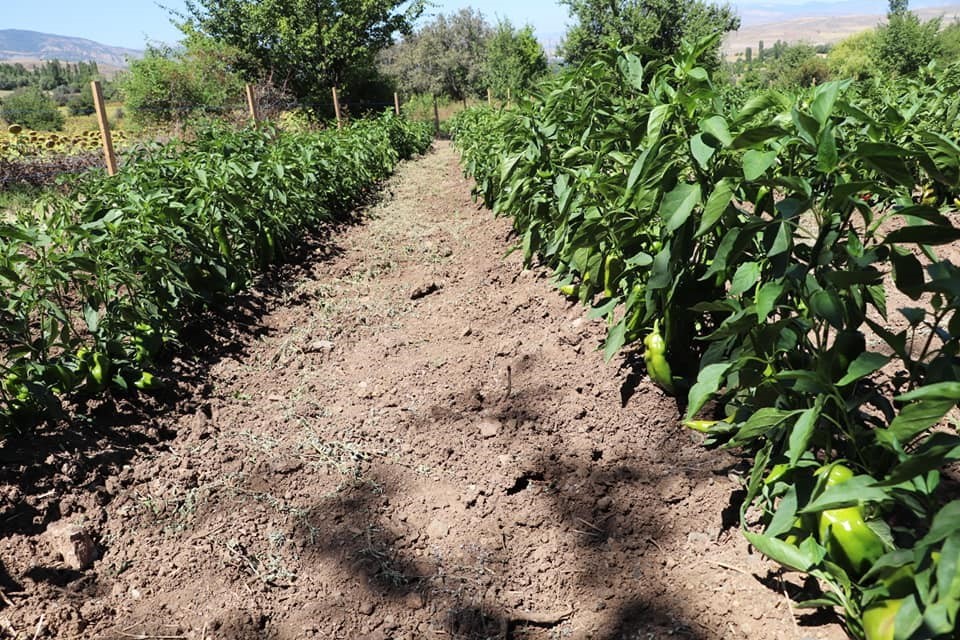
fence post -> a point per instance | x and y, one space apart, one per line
108 153
489 97
336 108
436 115
396 102
252 104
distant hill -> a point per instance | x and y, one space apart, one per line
31 46
818 30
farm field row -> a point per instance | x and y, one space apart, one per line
748 245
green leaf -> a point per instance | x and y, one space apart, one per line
658 115
887 159
803 430
756 163
945 524
752 137
677 205
745 278
717 205
787 555
616 338
825 96
936 391
915 418
827 157
857 490
760 423
702 152
928 234
864 364
631 67
716 126
767 297
826 304
934 452
708 383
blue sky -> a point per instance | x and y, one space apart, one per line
131 23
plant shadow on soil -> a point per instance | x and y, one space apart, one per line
100 435
363 544
358 535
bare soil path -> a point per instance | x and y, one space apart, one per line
411 437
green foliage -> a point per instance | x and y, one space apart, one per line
852 57
31 108
169 85
82 104
48 76
305 46
783 66
445 57
950 42
661 25
905 44
898 7
515 60
97 285
758 240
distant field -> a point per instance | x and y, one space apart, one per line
819 30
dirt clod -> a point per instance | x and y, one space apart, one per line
73 543
489 428
424 290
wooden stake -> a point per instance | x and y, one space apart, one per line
108 153
252 104
436 114
509 97
396 102
336 108
489 97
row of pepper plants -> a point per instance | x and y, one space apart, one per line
751 247
97 286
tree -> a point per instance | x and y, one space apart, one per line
515 59
905 44
898 7
304 46
168 85
82 104
32 108
852 56
658 24
950 42
445 57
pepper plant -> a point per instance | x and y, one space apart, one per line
752 244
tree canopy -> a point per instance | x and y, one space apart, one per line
658 24
305 46
515 59
446 56
168 85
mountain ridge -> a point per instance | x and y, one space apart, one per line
21 45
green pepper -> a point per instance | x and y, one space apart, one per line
147 382
703 426
657 366
99 371
878 619
612 268
570 290
849 540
